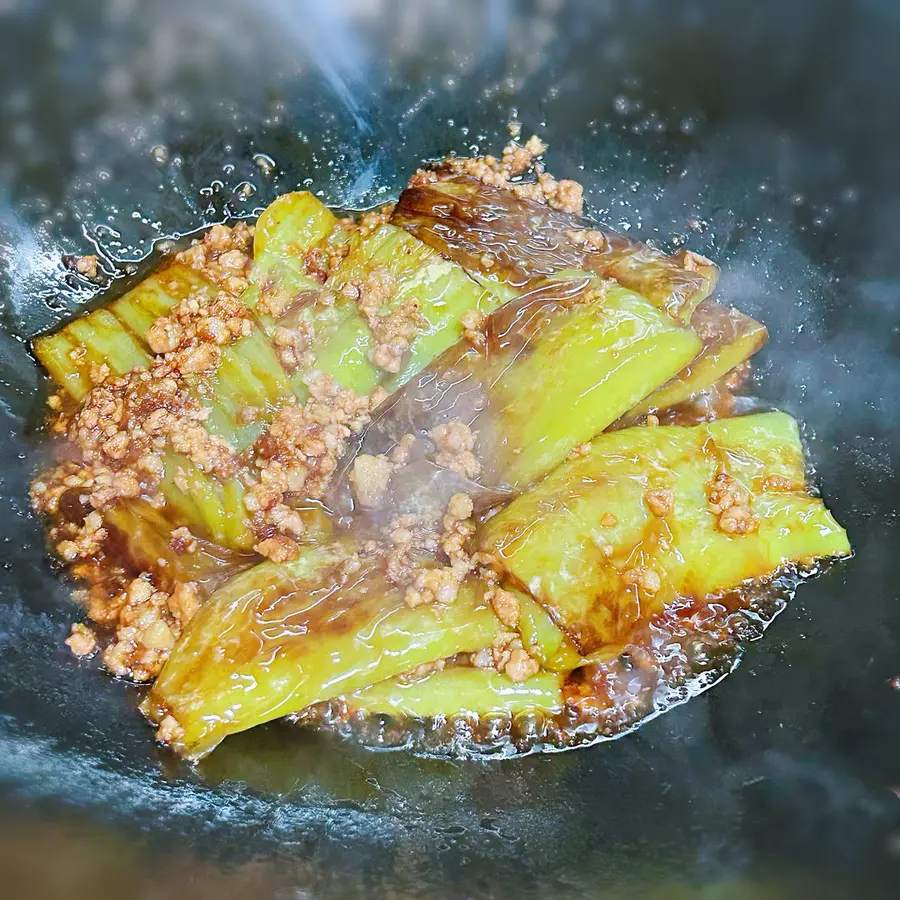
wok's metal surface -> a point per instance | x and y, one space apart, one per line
765 134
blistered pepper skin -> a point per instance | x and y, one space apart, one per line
729 337
518 243
559 364
278 638
581 540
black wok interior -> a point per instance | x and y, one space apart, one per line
762 134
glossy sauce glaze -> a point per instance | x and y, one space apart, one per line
487 230
483 352
672 657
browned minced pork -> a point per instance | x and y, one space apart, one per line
408 535
579 451
587 237
294 344
505 606
147 624
399 455
371 475
82 641
300 450
223 255
127 422
279 548
422 670
780 484
660 502
565 195
731 504
455 443
169 730
458 529
192 332
182 541
433 585
473 322
184 602
392 332
518 158
97 484
83 265
299 454
370 478
647 580
507 655
317 263
324 258
83 540
441 584
375 218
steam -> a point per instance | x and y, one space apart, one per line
215 84
322 32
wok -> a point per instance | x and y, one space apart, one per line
762 134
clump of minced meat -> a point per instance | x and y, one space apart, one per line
563 194
118 440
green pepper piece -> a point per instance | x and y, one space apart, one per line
543 638
579 539
297 223
279 638
343 339
562 362
460 690
729 339
285 232
97 338
141 535
249 375
56 353
488 230
443 291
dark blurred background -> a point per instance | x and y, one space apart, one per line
764 134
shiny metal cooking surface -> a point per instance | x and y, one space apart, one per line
762 134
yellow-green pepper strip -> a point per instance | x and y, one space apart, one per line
290 226
729 339
98 338
104 340
55 352
285 232
156 295
143 534
117 339
442 290
296 223
562 363
571 540
460 690
586 364
213 509
278 638
543 638
490 231
249 375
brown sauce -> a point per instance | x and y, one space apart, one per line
662 657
